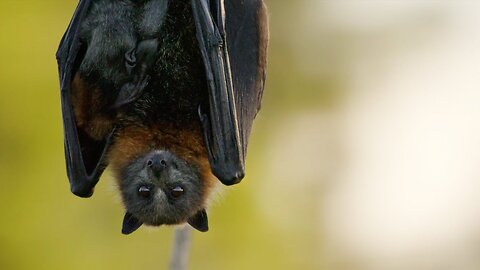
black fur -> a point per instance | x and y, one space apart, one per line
178 85
175 92
112 32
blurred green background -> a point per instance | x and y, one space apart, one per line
365 154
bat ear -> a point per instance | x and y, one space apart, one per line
130 224
199 221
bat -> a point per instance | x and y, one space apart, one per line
165 93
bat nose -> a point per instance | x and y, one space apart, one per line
157 162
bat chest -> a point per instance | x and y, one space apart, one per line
178 84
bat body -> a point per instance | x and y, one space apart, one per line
175 118
163 124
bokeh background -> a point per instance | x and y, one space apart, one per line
366 154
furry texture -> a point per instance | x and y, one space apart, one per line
111 31
163 119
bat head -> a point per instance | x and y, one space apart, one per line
161 188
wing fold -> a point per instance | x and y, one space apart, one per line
77 154
233 39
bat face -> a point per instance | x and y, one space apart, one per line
163 175
160 188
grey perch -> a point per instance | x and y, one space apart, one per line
181 248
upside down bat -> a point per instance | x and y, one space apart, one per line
165 92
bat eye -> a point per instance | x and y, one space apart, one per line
177 191
144 191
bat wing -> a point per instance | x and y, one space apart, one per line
233 39
85 157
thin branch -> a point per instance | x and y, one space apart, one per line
181 248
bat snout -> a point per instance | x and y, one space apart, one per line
159 161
